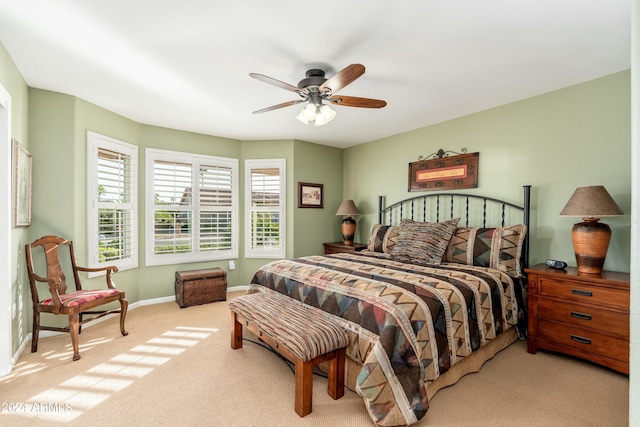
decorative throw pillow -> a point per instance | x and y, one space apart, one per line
382 238
390 239
376 237
423 242
499 248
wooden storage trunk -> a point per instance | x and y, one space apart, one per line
195 287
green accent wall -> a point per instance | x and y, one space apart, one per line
577 136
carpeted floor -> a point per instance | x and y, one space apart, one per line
176 368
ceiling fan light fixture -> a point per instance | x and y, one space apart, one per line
319 115
320 120
302 119
309 112
324 116
327 112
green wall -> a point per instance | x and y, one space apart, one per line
318 164
158 281
555 142
12 81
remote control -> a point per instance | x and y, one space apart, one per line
556 264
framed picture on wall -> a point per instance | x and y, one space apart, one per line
444 172
310 195
21 192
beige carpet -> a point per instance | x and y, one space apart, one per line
176 368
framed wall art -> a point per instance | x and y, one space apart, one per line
444 172
310 195
21 192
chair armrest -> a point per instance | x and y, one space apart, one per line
40 278
113 268
109 270
53 289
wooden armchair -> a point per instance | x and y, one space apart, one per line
74 304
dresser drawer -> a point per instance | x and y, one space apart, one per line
583 315
583 292
584 340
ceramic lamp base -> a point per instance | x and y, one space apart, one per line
348 230
590 243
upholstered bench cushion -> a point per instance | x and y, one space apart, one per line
301 330
72 299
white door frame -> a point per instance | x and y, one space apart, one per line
6 269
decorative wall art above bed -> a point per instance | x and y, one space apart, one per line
440 171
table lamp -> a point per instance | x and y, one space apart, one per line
348 209
590 237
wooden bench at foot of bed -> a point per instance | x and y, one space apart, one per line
298 334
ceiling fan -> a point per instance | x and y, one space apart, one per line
316 88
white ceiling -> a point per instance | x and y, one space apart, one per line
186 64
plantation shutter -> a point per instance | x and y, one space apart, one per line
216 202
173 207
112 203
194 207
266 209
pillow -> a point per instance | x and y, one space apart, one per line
423 242
376 236
499 248
390 239
382 238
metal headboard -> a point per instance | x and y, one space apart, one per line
473 211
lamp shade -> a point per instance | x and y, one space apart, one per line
348 208
590 237
317 114
591 201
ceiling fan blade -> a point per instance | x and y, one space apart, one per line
354 101
343 77
274 82
275 107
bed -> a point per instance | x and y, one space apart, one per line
438 291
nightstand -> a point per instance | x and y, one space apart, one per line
338 247
583 315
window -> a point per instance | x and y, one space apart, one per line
112 202
265 208
191 207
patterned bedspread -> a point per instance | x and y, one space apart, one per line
407 324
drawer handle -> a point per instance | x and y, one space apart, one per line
581 316
581 293
581 340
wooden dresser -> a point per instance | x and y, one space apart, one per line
583 315
337 247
